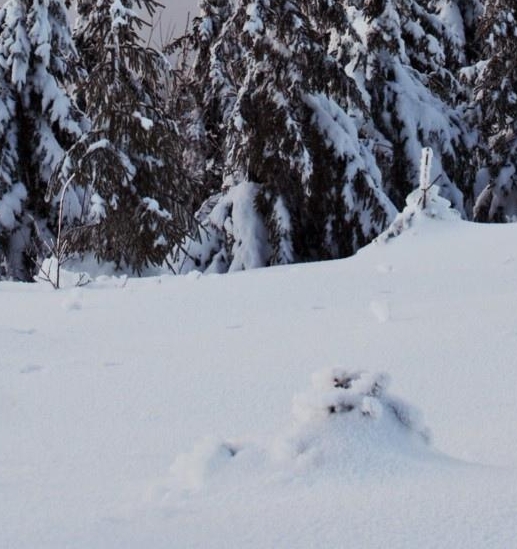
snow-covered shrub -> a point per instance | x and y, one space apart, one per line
347 425
338 391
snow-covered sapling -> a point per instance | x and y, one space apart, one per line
59 248
425 174
423 201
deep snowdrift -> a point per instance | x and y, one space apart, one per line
156 412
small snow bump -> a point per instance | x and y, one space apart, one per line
71 305
384 268
191 470
193 275
380 310
73 301
24 331
31 369
111 364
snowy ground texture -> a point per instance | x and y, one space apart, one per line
184 412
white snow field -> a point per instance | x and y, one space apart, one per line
182 412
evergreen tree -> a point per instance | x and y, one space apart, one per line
297 184
87 24
127 168
460 19
207 91
12 191
39 120
406 62
496 103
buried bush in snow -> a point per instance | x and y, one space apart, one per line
337 391
347 424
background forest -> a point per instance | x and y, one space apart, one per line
273 132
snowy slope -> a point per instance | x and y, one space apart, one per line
157 413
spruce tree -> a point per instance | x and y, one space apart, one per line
297 183
496 104
460 19
12 191
39 121
407 61
206 91
127 168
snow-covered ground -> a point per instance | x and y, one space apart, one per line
158 412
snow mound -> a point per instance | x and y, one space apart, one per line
191 470
347 425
